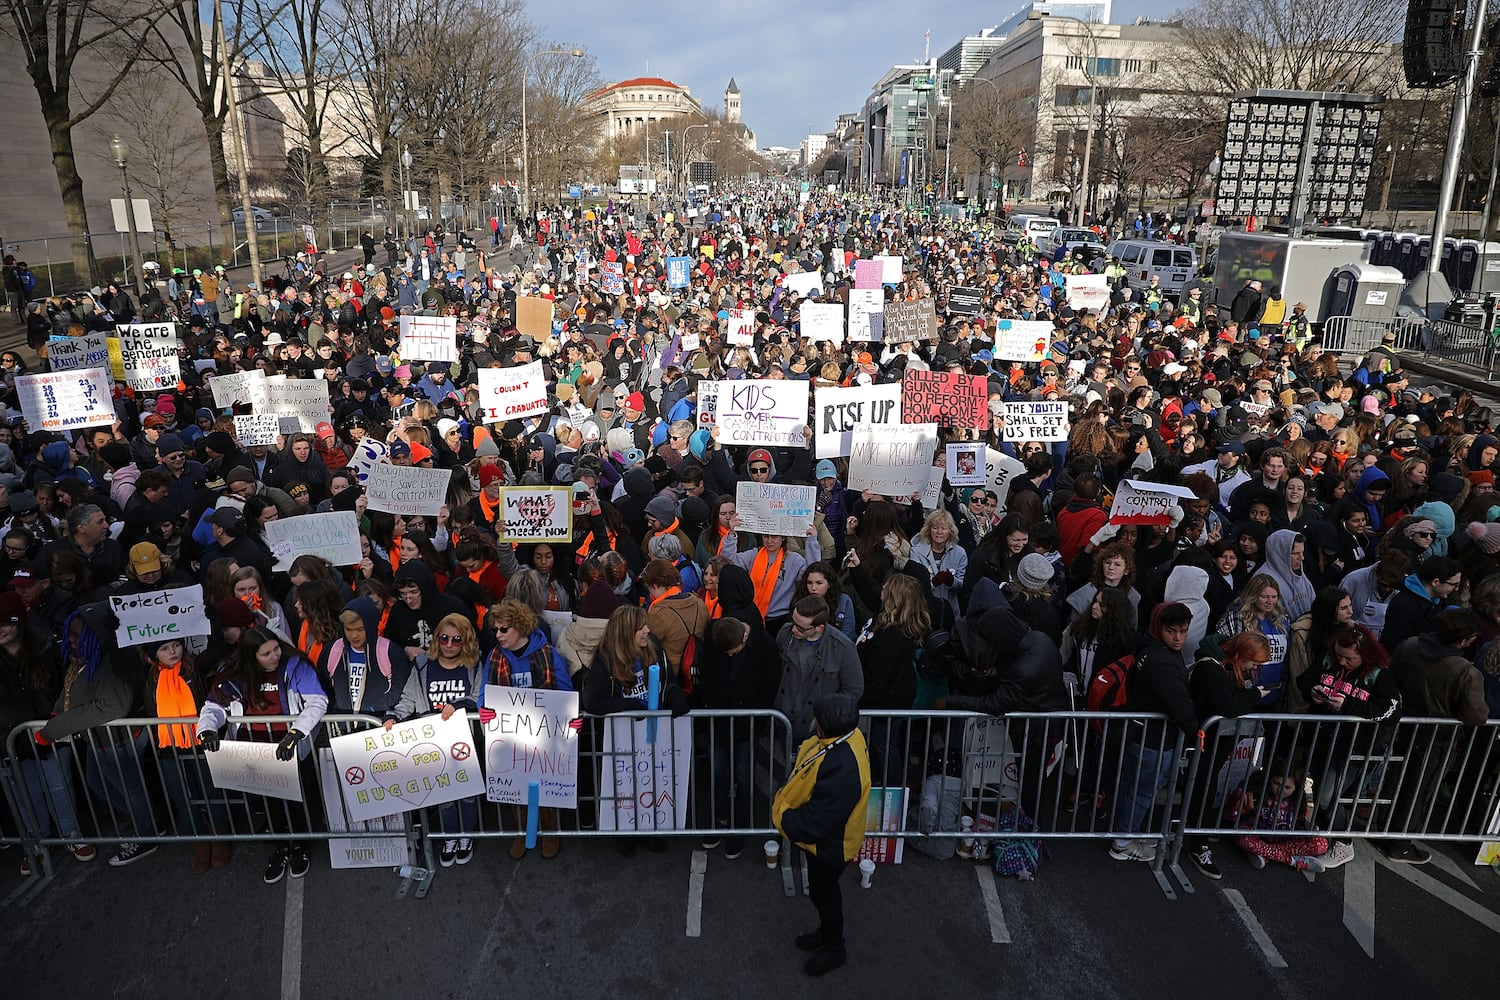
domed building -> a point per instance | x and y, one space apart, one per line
638 105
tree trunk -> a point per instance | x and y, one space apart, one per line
218 165
70 186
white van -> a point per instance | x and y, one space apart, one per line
1034 226
1174 266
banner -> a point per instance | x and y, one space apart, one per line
740 327
149 354
965 301
909 322
649 781
691 341
1041 421
866 314
1087 291
950 399
536 514
159 615
333 536
892 461
251 429
422 762
400 489
770 412
678 269
885 817
804 283
965 463
429 338
249 766
1139 502
511 393
838 411
823 321
531 739
1023 340
774 509
301 403
88 351
868 273
67 400
708 402
240 387
378 843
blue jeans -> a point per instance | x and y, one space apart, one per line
1143 772
458 818
115 773
49 786
188 785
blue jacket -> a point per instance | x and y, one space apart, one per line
298 693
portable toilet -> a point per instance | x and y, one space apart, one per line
1406 254
1384 253
1468 264
1449 263
1364 291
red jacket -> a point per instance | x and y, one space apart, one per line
1076 524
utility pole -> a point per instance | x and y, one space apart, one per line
242 169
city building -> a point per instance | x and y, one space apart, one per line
638 105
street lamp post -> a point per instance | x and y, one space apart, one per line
1088 138
406 187
686 180
525 138
120 151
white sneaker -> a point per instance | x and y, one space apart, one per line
1134 850
1339 854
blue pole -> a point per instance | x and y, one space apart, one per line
653 699
533 800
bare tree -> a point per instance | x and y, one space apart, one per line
164 149
992 125
559 133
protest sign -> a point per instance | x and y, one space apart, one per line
770 412
838 411
804 283
932 496
530 739
510 393
999 470
251 429
429 338
677 272
67 400
866 313
240 387
774 509
148 352
885 819
1087 291
301 403
333 536
612 277
823 321
376 843
1023 340
159 615
88 351
691 341
965 301
1046 420
649 781
868 273
249 766
965 463
740 327
909 322
116 358
894 461
708 402
890 268
950 399
534 316
536 514
400 489
423 762
1139 502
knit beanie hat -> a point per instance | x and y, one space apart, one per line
1486 535
1035 572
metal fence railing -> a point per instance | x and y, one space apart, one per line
1353 335
1444 340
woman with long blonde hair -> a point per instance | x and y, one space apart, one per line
1260 611
887 652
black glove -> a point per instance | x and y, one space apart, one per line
287 748
209 740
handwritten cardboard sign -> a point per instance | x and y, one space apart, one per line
422 762
148 352
536 514
770 412
909 322
249 766
774 509
511 393
1023 340
429 338
159 615
892 461
1140 502
837 411
67 400
1044 420
823 321
530 739
407 490
333 535
251 429
88 351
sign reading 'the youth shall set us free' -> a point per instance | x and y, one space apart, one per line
531 739
1039 420
407 490
768 412
536 514
423 762
950 399
775 509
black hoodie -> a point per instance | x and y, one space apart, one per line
749 678
639 491
408 628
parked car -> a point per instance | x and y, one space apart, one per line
1067 236
1174 265
256 212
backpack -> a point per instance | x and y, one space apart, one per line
1108 689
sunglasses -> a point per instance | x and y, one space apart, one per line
502 629
1424 534
760 468
450 640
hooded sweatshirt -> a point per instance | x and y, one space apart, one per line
1297 591
1188 585
379 684
1371 477
417 628
311 472
1443 522
1028 667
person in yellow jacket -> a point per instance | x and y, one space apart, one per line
822 809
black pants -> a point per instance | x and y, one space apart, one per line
823 889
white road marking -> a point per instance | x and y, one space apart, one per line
1252 924
1359 896
291 942
1463 904
999 932
697 868
1447 865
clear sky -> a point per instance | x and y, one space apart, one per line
797 65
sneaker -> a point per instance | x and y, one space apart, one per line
130 852
733 847
1257 862
276 866
298 860
1407 852
83 852
28 863
1134 850
811 941
447 853
1339 854
465 852
1203 860
824 961
1303 863
711 842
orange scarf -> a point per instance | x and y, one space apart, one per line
395 557
671 528
666 594
586 546
488 507
253 600
174 700
313 650
765 576
712 601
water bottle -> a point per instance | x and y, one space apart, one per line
413 872
966 842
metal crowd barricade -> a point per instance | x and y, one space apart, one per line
1067 773
1353 335
711 773
114 784
1465 345
1417 778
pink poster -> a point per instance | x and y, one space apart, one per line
867 273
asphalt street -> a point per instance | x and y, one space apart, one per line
592 923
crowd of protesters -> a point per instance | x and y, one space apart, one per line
1338 555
